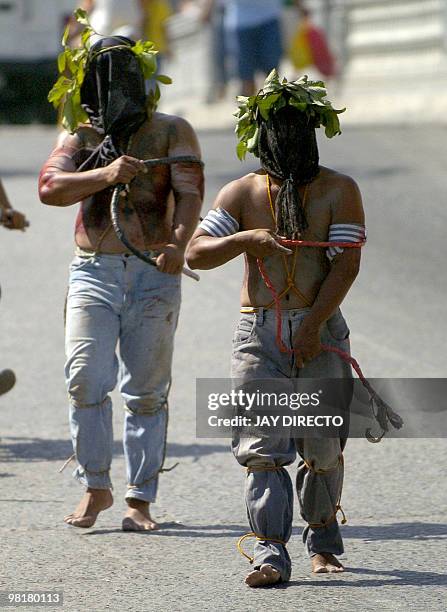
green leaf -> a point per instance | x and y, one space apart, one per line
85 37
80 74
61 61
148 64
252 143
241 150
272 78
68 116
302 106
280 104
138 47
66 35
164 79
59 90
265 104
81 16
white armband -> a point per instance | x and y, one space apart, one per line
344 232
219 223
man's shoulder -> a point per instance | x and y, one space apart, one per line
84 136
334 178
240 192
245 185
168 121
347 201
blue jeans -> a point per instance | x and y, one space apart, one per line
120 299
258 49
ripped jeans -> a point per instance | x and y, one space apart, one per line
120 299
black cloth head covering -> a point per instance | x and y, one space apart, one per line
114 97
288 151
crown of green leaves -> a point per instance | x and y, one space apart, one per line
303 94
66 92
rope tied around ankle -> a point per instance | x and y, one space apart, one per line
311 467
331 519
260 538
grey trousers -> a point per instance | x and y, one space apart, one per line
319 481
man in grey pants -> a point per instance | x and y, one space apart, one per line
291 197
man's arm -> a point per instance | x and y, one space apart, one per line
61 185
344 269
10 218
187 185
206 252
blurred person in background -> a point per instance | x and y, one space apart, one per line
13 220
214 15
114 17
310 46
155 14
254 26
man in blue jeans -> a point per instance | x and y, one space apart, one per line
113 296
255 28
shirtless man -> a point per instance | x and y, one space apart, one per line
291 197
114 296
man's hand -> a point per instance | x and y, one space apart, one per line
123 170
171 259
263 242
14 220
307 343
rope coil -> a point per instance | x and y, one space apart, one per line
115 209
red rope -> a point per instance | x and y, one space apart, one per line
329 349
311 243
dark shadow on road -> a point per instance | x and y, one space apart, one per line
381 172
180 530
396 531
40 449
391 577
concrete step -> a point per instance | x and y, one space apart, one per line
430 61
372 14
393 27
395 42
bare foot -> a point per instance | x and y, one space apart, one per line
324 563
93 502
138 518
264 576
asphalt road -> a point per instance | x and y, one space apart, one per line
395 494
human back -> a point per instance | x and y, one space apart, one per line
116 17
